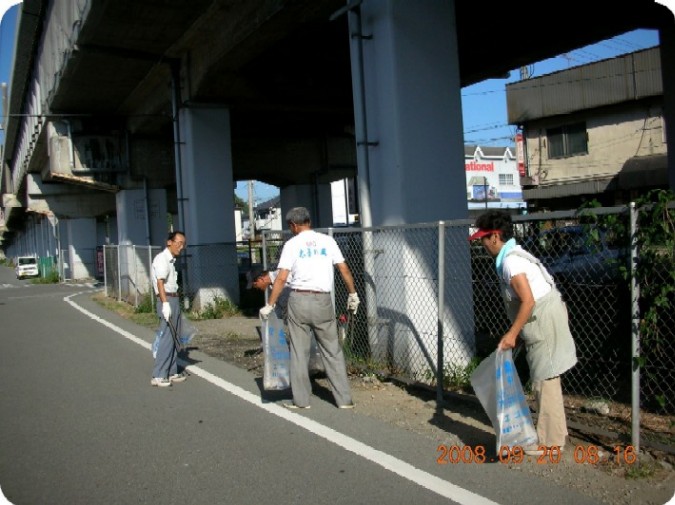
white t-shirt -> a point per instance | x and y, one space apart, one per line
514 265
310 257
163 268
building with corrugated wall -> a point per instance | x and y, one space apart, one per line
595 131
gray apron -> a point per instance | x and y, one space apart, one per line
546 335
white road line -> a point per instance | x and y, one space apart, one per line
395 465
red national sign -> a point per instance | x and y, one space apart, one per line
520 154
472 166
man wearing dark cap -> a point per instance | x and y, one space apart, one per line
263 280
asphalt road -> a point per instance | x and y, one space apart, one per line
80 424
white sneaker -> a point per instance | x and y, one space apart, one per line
534 450
540 450
160 382
293 406
178 377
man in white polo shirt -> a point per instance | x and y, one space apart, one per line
308 258
165 284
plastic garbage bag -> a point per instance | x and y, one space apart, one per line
499 390
276 353
155 344
187 331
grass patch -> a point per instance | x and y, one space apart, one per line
148 320
51 278
641 470
145 305
455 377
219 308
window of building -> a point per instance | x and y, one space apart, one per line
506 179
568 140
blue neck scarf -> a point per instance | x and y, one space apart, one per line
508 245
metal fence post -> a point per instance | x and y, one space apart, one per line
441 303
152 287
105 272
119 274
135 281
635 332
332 293
369 287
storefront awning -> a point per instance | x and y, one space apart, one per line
644 171
569 189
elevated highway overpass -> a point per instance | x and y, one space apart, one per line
122 112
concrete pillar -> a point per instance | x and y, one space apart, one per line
207 188
81 252
316 198
142 221
142 217
410 151
413 110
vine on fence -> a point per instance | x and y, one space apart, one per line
654 272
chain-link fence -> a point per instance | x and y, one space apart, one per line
127 272
77 263
431 304
206 273
421 282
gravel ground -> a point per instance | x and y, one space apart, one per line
462 422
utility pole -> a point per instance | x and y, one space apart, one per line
251 217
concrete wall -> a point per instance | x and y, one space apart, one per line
613 137
141 217
81 252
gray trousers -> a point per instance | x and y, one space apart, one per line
165 361
312 311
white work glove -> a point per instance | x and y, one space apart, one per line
265 311
166 311
353 302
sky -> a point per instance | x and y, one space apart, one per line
8 12
483 104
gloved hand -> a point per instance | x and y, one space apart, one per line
353 302
266 311
166 311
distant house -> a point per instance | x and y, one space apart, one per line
592 132
238 225
492 181
492 178
268 215
344 205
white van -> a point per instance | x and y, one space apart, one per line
26 266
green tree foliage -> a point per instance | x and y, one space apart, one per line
240 203
654 273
